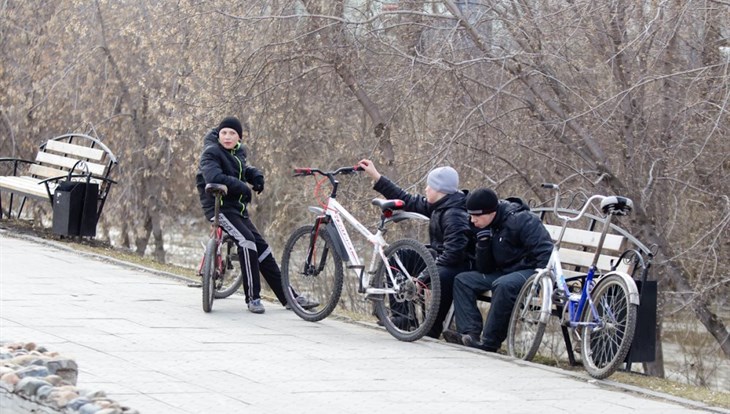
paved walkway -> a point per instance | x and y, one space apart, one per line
144 339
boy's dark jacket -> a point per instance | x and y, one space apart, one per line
221 166
449 232
519 241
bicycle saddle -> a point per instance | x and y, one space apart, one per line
216 188
386 205
617 205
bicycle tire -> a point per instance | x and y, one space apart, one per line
209 274
530 316
409 313
230 281
603 350
322 285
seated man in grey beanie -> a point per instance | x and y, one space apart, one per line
449 231
511 244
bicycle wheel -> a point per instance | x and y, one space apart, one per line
318 279
209 274
410 311
606 341
228 280
530 316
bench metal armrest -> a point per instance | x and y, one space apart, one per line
15 162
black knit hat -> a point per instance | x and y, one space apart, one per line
481 201
233 123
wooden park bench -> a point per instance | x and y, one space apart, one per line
621 251
75 157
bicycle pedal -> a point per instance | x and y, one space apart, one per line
375 297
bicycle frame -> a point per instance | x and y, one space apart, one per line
334 213
575 302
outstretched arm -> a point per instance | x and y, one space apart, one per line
369 168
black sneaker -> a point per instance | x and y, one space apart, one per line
452 337
474 342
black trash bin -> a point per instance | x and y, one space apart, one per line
643 347
74 208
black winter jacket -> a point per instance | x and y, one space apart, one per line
221 166
519 240
448 230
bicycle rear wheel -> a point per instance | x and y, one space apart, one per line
209 274
530 316
606 341
410 311
228 280
317 277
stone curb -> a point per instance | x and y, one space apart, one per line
34 379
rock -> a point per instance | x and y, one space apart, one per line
61 397
9 380
29 385
25 359
54 380
29 346
110 410
43 392
98 394
64 368
76 403
89 408
32 371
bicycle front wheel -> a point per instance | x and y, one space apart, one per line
409 312
209 262
311 269
606 338
228 280
530 316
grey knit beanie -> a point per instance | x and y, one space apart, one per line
444 180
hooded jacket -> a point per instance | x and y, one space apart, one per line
221 166
448 230
519 241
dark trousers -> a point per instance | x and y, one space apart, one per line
255 256
504 287
447 275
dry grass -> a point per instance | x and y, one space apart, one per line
690 392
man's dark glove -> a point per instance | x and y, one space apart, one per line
258 184
484 234
484 237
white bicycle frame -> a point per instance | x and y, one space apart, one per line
555 267
337 212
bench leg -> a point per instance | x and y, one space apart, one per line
449 318
568 346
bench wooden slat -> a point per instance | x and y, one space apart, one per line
571 257
586 237
45 172
95 154
53 159
27 186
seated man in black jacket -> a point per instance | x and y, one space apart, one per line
511 244
448 231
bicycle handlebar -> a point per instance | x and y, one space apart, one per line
622 204
300 172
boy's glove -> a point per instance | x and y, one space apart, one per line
258 184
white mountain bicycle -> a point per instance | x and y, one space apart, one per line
402 280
